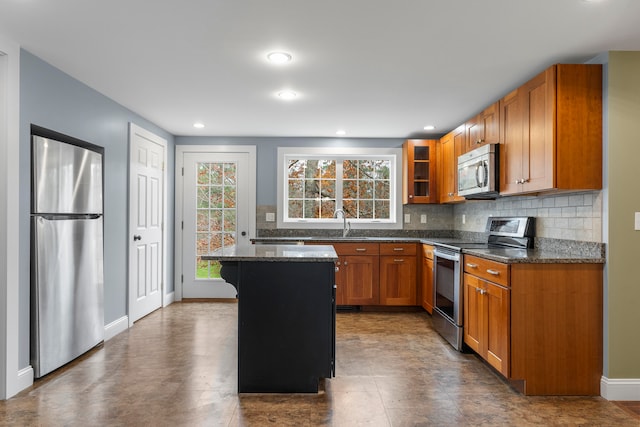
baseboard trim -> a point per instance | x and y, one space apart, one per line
25 378
620 389
169 299
115 327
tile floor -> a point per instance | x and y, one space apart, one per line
177 367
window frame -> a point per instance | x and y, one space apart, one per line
394 155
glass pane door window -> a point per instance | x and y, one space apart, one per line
216 213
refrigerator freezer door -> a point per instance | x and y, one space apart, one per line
67 178
67 314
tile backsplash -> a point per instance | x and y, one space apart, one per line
567 216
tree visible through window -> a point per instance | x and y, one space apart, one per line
361 187
215 213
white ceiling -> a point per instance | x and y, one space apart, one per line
376 68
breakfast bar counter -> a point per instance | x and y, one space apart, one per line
286 315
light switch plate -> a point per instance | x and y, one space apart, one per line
407 218
637 225
423 218
270 217
464 219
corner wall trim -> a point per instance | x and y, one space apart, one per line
620 389
115 327
169 298
25 377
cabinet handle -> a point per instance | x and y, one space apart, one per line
472 265
361 249
398 249
411 196
345 263
493 272
337 269
398 260
450 194
480 141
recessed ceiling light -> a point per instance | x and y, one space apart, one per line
429 127
341 132
198 125
279 57
287 95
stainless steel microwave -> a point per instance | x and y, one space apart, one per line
478 173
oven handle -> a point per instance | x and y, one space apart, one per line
450 257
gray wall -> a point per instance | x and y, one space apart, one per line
54 100
267 154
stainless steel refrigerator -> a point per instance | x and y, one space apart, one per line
67 312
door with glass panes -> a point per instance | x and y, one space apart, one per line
215 216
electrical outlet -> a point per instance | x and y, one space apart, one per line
270 217
464 219
637 224
423 218
407 218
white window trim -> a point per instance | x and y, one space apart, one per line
337 223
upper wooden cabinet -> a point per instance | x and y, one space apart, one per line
551 132
419 169
452 145
483 128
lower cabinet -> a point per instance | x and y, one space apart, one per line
538 324
398 267
486 329
357 274
426 278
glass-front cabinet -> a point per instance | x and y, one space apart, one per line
419 169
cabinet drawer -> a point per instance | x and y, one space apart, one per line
397 248
357 248
427 251
492 271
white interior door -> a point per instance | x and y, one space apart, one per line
146 212
217 212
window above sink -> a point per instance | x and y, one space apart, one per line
363 183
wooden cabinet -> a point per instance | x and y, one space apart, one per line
358 274
551 132
483 128
452 145
419 171
398 273
486 311
426 278
539 325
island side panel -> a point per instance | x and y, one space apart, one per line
286 325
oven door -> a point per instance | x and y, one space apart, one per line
447 285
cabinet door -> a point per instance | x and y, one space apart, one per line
491 124
419 170
452 145
474 130
474 317
398 280
496 305
538 100
362 285
427 284
511 147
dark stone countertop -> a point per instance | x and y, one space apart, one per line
275 253
549 254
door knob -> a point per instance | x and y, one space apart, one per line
137 237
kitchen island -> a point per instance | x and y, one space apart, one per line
286 315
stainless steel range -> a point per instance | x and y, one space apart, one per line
513 233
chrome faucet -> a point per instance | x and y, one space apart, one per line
346 227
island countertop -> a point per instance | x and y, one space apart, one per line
275 253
